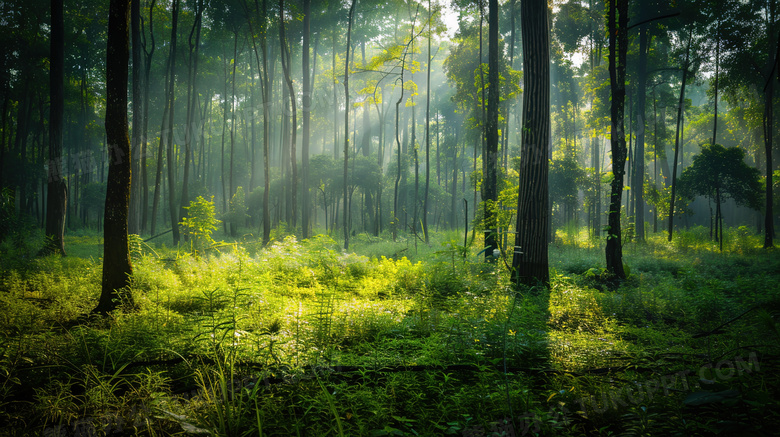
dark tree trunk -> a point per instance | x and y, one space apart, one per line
172 210
306 117
134 220
427 131
618 46
231 186
57 192
286 67
680 109
117 267
769 224
715 87
192 108
490 193
346 126
147 73
266 88
639 152
530 263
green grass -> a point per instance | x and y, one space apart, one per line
301 338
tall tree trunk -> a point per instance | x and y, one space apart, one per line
715 87
192 108
158 172
427 129
147 74
57 192
618 46
171 98
490 193
134 224
639 152
231 186
454 201
530 263
117 267
286 67
346 125
680 109
768 124
307 93
335 100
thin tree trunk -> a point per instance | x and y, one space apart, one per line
680 108
639 151
170 157
134 224
147 73
231 186
346 126
769 225
192 108
715 87
307 92
427 130
57 193
286 67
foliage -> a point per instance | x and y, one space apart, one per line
565 176
237 210
719 172
200 222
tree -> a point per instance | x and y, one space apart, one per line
306 103
530 263
117 267
680 107
286 67
749 60
718 173
199 223
57 190
136 196
172 207
490 189
427 129
345 218
617 22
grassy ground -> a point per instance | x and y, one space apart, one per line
398 338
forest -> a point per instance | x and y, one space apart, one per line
389 218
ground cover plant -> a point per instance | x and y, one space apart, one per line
300 338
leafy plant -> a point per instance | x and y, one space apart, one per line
200 222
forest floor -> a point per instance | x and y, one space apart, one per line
396 338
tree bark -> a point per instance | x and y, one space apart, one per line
192 108
769 224
680 109
117 267
286 67
134 224
346 126
147 74
490 193
639 151
530 263
57 191
427 130
618 46
171 99
307 93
